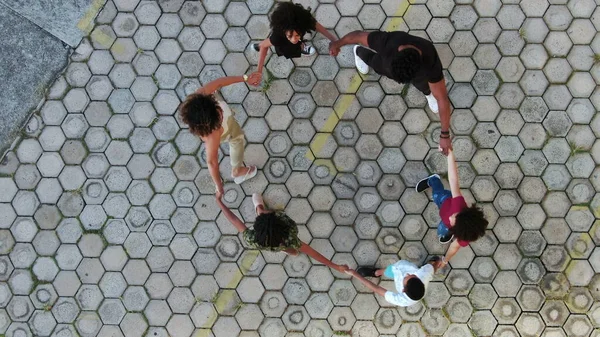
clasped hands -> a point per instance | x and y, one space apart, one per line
334 48
255 78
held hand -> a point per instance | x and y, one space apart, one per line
334 50
439 262
255 78
219 194
445 145
350 272
343 268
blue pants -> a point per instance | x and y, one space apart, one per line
439 195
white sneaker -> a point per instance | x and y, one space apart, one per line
432 103
362 67
308 50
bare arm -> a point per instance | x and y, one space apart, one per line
374 287
452 250
325 32
308 250
219 83
264 48
355 37
453 175
440 93
235 221
256 76
437 265
212 160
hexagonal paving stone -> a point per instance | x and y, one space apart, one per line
511 94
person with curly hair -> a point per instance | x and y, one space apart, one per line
403 58
274 231
211 119
289 23
458 220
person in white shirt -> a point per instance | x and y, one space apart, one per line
411 281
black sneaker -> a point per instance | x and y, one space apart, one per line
446 238
367 271
423 184
255 47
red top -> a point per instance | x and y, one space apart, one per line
449 207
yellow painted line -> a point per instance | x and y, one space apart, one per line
346 100
118 48
330 123
210 321
226 296
342 104
317 144
309 155
86 24
329 164
102 38
402 8
248 260
587 241
596 210
203 333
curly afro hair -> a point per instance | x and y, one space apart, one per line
405 65
270 230
288 16
201 113
470 224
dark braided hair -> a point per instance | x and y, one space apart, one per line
405 65
288 16
270 230
202 114
470 224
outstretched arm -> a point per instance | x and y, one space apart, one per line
219 83
235 221
325 32
374 287
355 37
440 93
453 175
308 250
452 250
212 160
263 46
437 265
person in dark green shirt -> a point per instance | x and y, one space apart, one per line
273 231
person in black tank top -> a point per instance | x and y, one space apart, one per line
289 23
405 59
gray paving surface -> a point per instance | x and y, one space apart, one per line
37 38
109 225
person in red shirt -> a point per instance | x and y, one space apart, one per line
460 221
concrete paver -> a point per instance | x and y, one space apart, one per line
109 225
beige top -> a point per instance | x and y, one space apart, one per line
226 114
